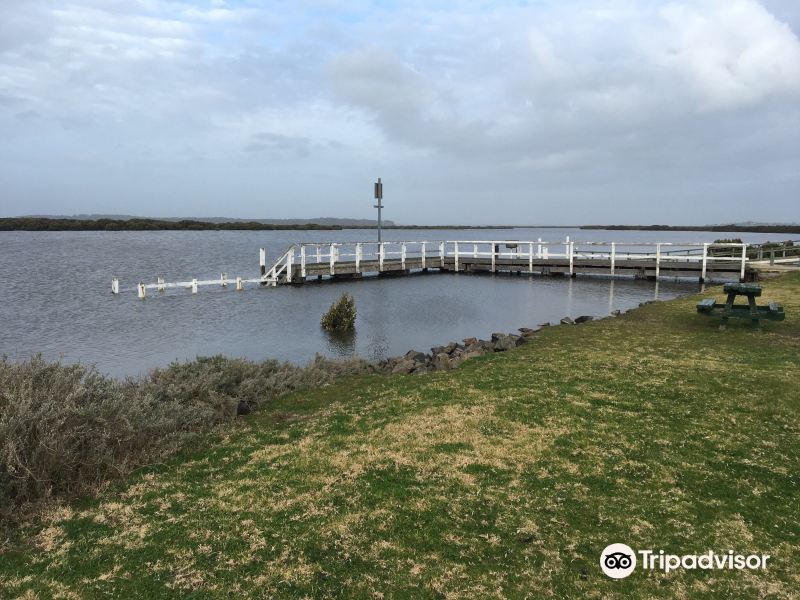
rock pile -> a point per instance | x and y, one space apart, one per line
442 358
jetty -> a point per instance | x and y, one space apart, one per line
316 261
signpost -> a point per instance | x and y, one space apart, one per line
379 206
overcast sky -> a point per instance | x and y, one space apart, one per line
549 112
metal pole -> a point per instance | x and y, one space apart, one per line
379 205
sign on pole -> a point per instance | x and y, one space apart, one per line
379 205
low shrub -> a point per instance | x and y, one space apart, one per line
341 316
65 429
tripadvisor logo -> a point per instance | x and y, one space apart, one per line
619 560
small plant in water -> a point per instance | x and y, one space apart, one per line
341 316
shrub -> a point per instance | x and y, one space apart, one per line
341 316
65 429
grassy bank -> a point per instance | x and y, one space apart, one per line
503 478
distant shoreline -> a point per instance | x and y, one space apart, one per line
140 224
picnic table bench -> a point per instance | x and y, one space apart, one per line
710 307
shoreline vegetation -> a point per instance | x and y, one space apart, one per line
143 224
505 476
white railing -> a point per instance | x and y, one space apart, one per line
435 254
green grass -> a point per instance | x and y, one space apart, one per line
504 478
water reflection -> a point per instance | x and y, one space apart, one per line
341 343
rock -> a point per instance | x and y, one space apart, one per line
497 336
584 319
403 366
441 362
616 313
415 356
526 330
545 324
503 342
567 321
437 350
472 354
470 341
451 347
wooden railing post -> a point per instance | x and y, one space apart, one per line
494 261
530 257
422 251
474 250
403 256
613 257
319 254
571 259
381 254
658 259
455 254
303 261
332 259
744 261
358 257
289 263
441 253
705 262
539 248
262 260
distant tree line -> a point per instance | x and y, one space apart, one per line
740 228
43 224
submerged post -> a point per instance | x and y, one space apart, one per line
115 286
142 291
239 285
161 286
194 286
223 279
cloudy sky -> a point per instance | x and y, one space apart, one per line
543 112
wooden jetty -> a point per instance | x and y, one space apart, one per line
645 260
304 262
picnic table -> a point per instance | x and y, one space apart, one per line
710 307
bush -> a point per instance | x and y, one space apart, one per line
341 316
65 429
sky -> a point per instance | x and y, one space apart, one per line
542 112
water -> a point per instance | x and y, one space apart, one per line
55 297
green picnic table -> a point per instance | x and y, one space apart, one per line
710 307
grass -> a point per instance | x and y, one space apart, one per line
504 478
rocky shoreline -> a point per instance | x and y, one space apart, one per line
443 358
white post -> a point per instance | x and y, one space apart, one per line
319 254
115 286
530 257
539 248
494 249
658 259
160 284
239 285
455 254
302 261
381 254
358 257
441 253
613 257
705 260
744 261
474 250
546 253
223 279
289 263
403 256
142 291
194 286
262 260
423 255
571 258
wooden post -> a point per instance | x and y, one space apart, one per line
332 259
494 258
223 279
239 285
194 285
160 286
403 256
455 254
289 264
142 291
381 254
474 250
441 253
115 286
571 259
539 248
613 257
658 259
744 261
530 257
358 257
423 255
302 261
262 260
319 254
705 262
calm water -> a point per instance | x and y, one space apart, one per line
55 297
